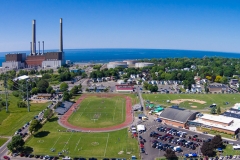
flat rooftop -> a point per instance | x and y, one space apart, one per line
221 119
233 127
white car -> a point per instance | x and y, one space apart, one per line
46 157
234 157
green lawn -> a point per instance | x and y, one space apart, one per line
2 141
17 117
79 144
218 99
230 151
97 112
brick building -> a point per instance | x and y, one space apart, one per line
218 123
177 117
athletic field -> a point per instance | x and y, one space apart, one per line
223 100
53 138
99 112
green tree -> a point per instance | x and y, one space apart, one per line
218 110
49 89
66 96
170 155
64 87
207 149
42 86
35 125
34 91
224 80
21 104
48 114
217 142
213 110
74 90
16 143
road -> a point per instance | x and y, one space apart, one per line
3 148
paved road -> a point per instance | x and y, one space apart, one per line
3 148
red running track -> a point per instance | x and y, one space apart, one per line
129 116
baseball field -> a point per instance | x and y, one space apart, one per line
194 101
98 112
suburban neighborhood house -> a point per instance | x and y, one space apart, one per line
217 88
124 88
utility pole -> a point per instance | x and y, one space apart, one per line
6 93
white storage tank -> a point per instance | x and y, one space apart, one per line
130 62
143 64
117 64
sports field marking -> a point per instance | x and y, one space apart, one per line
77 143
79 116
106 145
115 110
67 141
122 108
56 141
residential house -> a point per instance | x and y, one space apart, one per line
217 88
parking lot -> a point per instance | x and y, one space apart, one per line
159 137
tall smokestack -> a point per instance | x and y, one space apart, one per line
61 36
34 37
39 48
30 48
42 47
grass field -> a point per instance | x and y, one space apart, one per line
78 144
219 99
2 141
97 112
17 117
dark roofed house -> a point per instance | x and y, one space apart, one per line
177 117
63 108
217 88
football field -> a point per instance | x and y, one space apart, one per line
99 112
53 139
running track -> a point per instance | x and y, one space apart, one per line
63 121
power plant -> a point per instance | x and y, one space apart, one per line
36 59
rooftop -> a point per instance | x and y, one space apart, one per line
221 119
177 115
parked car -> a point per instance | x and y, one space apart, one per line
6 157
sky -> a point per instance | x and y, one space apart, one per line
212 25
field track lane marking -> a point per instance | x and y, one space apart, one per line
67 141
106 145
115 109
77 143
56 141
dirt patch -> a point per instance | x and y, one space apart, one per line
178 101
194 106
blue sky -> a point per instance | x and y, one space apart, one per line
212 25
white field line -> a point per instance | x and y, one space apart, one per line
115 110
122 108
79 116
67 141
56 141
77 143
106 145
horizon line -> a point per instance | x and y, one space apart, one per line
126 48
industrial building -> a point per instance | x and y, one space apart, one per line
130 62
143 64
36 59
